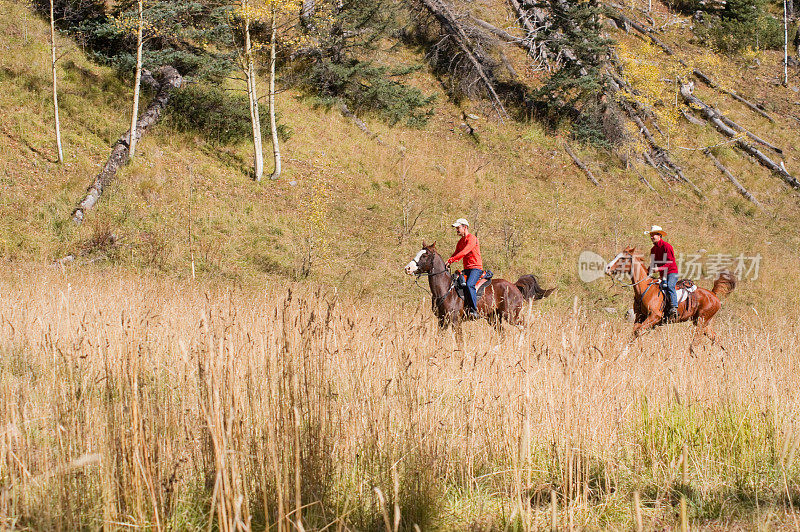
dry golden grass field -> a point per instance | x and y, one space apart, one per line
131 401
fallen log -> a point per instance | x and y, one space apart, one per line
498 32
757 108
643 179
713 116
360 124
580 164
649 160
532 32
743 191
691 119
170 79
660 151
450 24
733 125
702 76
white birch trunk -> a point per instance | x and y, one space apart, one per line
785 45
252 96
276 149
55 81
137 83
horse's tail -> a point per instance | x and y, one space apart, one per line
724 285
529 286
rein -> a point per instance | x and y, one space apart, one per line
431 274
636 283
643 279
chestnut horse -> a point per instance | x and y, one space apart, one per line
500 301
648 299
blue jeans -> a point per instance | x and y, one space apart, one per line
671 279
472 278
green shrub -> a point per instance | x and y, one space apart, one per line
742 24
686 7
366 87
218 116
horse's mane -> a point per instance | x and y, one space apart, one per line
637 255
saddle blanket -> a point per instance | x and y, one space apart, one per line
683 293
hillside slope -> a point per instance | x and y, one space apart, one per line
350 211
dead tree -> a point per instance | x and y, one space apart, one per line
649 33
454 29
713 115
170 79
743 191
60 152
580 164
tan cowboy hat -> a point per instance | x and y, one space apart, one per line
460 221
656 229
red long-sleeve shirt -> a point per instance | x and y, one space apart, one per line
469 250
662 258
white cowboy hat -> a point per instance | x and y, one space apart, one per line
656 229
460 221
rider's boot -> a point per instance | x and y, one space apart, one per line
472 314
671 314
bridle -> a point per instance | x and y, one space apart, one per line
643 279
419 274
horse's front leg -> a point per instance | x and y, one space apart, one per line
703 329
640 328
459 334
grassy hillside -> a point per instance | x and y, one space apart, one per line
349 210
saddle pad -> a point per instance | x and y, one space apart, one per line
683 293
480 288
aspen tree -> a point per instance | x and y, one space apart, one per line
785 45
252 93
138 78
55 81
276 149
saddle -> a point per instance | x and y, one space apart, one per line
684 288
460 284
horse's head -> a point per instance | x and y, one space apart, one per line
423 261
623 262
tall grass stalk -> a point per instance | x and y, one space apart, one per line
135 401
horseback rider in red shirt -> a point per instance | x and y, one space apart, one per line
662 260
468 250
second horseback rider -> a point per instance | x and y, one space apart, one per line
662 260
468 250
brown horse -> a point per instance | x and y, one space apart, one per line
648 299
500 301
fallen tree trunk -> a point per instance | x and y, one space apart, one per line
743 191
503 34
713 116
451 25
702 76
360 124
691 119
537 50
757 108
643 179
649 160
659 151
170 79
733 125
580 164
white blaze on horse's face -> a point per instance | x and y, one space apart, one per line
613 263
413 266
